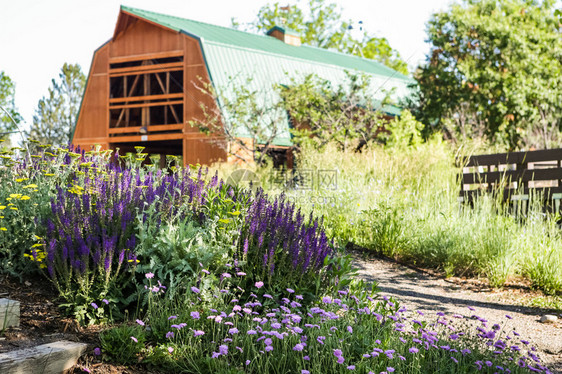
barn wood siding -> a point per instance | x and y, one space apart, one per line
137 39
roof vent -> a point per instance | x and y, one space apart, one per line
287 36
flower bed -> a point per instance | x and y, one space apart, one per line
218 279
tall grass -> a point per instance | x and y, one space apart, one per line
404 204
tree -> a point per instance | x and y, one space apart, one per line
321 25
321 113
9 116
56 113
494 70
243 121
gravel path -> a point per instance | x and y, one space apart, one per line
422 291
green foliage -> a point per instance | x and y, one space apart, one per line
118 345
320 24
25 195
405 204
402 132
56 113
352 329
384 227
175 251
8 111
345 114
246 117
494 70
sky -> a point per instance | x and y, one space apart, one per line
38 36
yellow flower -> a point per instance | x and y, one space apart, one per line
37 237
224 220
13 208
15 195
25 197
36 245
30 186
236 213
3 229
2 207
49 175
21 179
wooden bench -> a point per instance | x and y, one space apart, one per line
515 176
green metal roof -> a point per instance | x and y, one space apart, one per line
233 56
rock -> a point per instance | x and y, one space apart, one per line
548 318
52 358
9 313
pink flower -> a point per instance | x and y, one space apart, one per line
259 284
149 275
170 349
134 339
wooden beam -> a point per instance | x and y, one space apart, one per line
146 98
134 85
143 105
121 116
151 128
149 56
171 66
144 138
174 113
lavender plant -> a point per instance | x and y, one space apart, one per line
277 244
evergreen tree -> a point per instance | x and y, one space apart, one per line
56 113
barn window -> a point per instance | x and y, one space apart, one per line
146 95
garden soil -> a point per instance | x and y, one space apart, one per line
429 292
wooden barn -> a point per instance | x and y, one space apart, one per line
142 84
